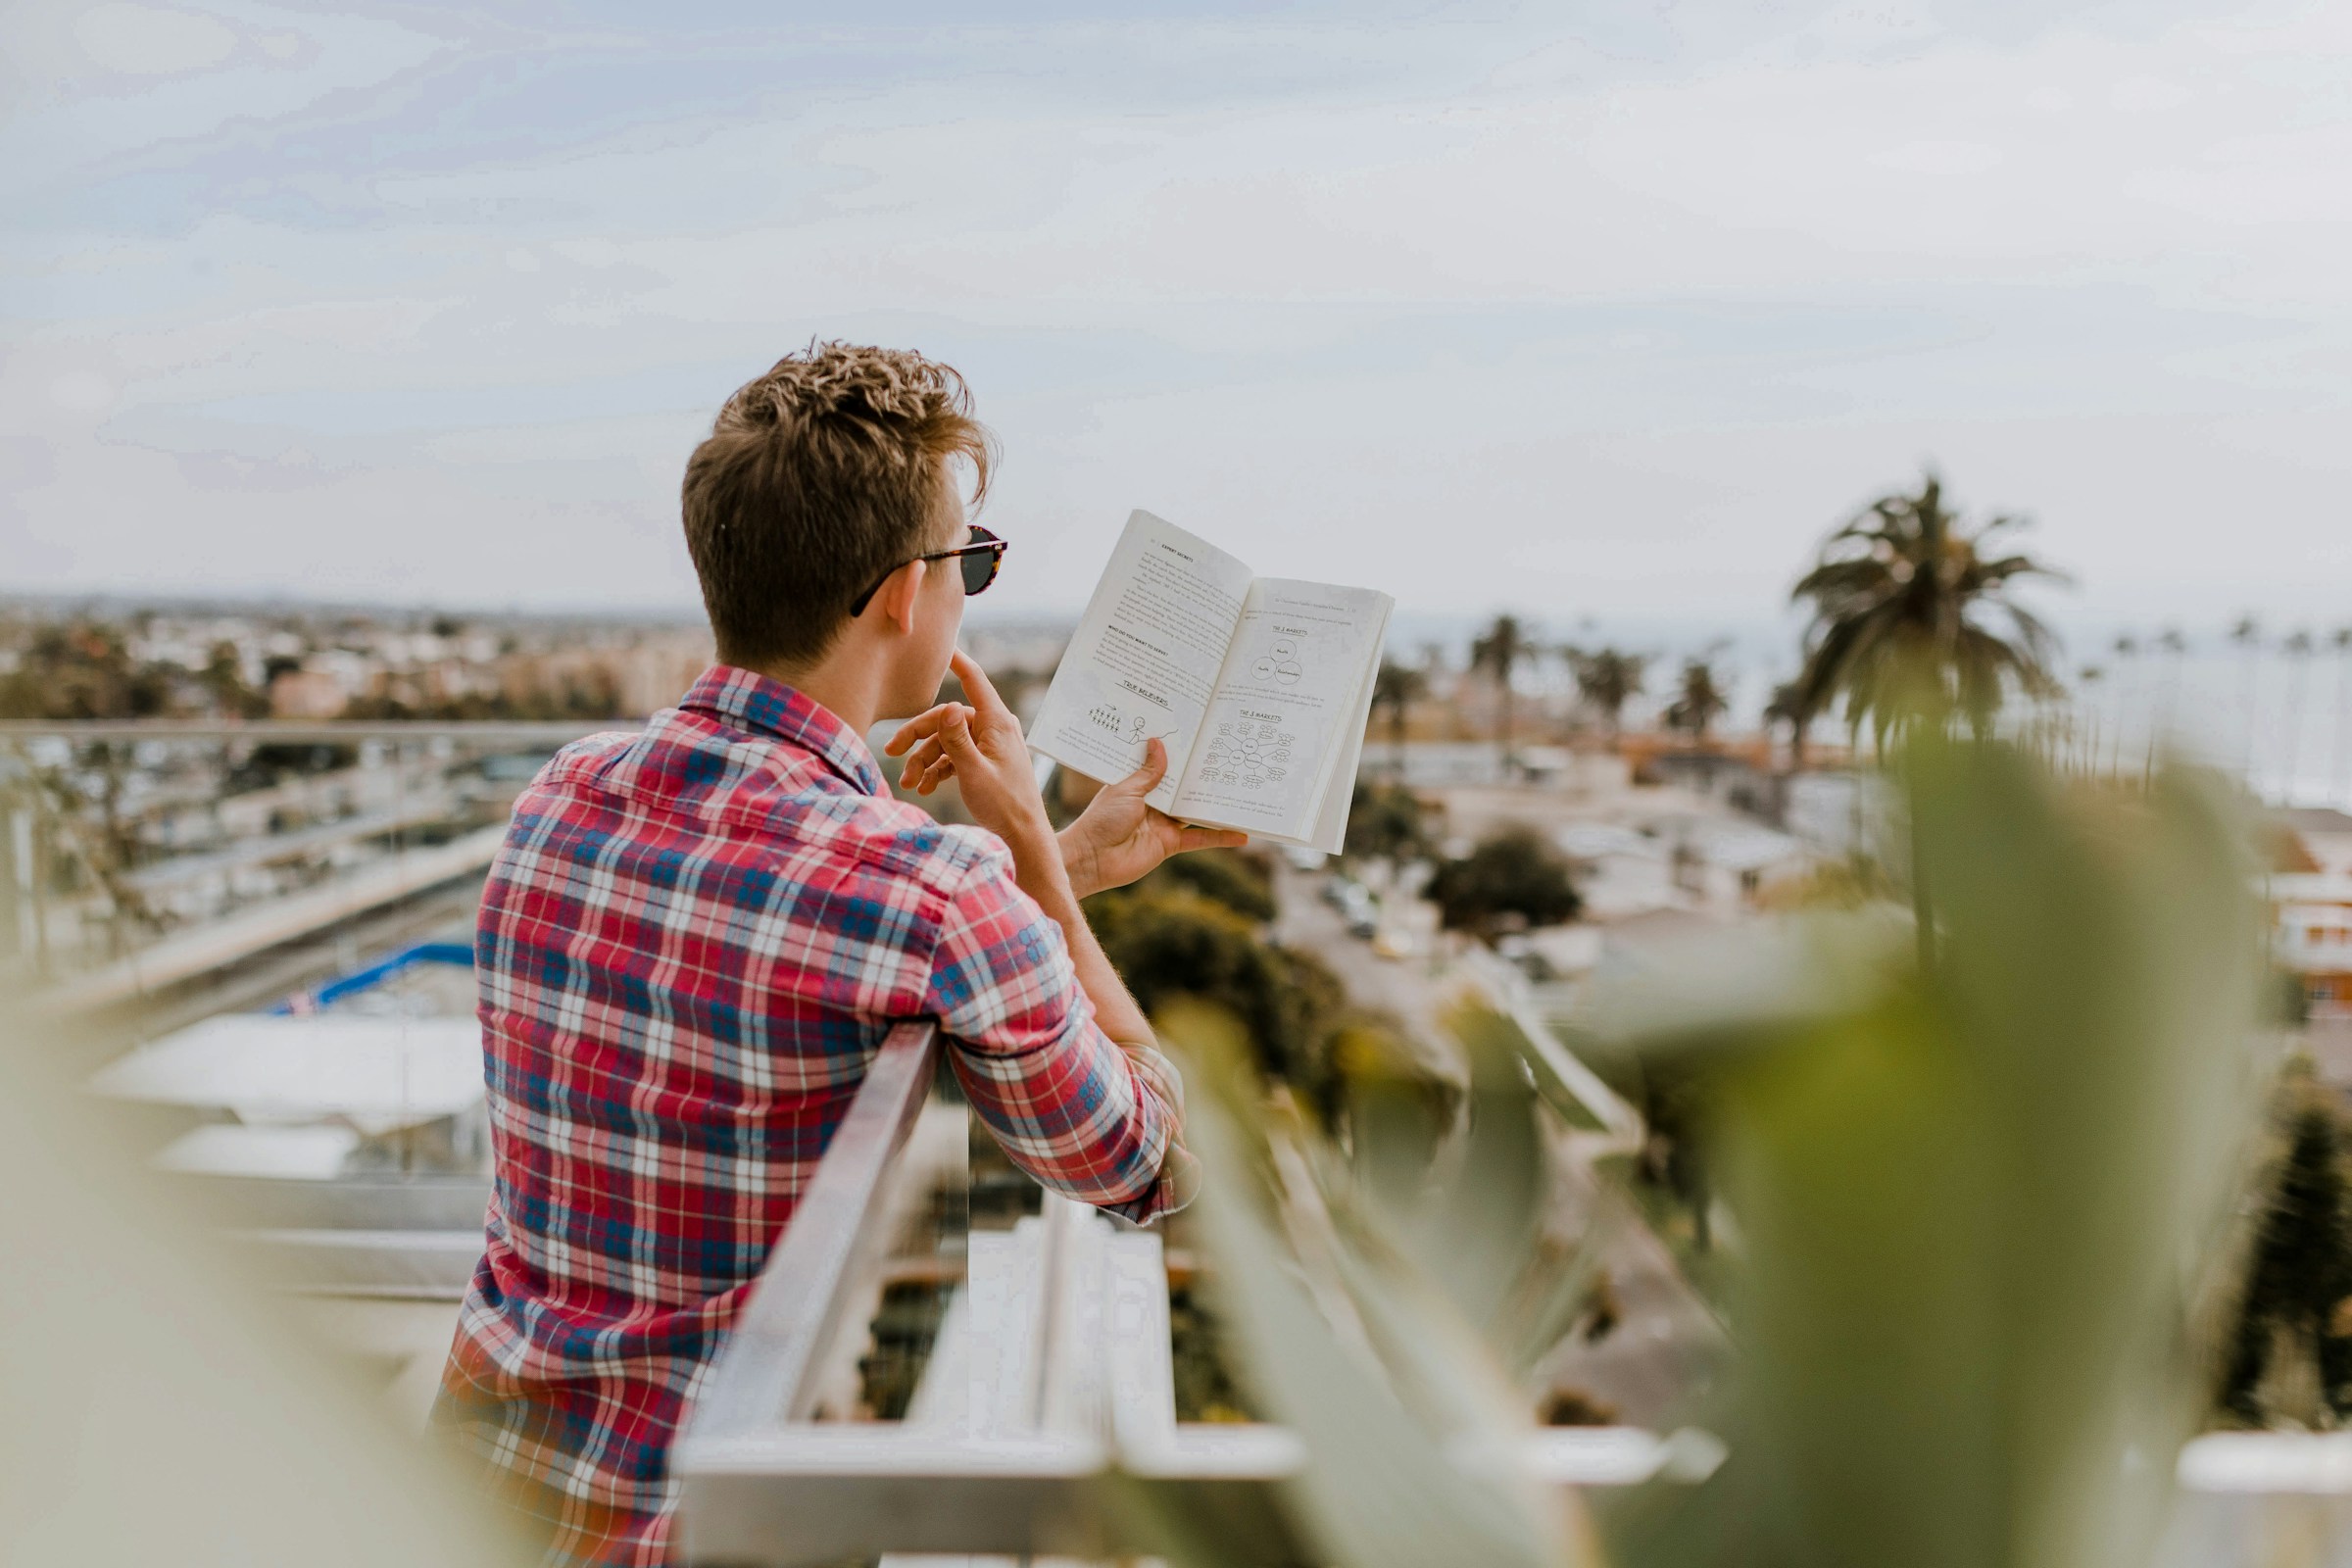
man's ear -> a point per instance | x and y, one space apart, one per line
900 593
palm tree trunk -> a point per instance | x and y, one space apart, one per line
2343 719
1503 723
2294 728
2253 687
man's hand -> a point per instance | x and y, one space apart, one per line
1118 838
981 748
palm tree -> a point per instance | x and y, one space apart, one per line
2174 644
1698 703
2247 634
2342 643
1499 653
2298 648
2092 677
1607 680
1788 707
2127 664
1396 688
1898 597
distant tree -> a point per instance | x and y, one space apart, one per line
2298 648
1899 598
1607 679
1698 702
2341 642
272 762
82 670
1168 943
223 679
1788 707
2092 677
2128 686
2247 635
1498 653
2300 1280
1514 875
1386 823
2173 644
1238 879
1394 690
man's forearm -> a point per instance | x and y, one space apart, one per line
1037 865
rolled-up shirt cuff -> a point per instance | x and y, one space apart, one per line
1178 1183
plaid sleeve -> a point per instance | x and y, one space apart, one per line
1084 1115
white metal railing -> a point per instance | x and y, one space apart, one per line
1049 1390
1048 1405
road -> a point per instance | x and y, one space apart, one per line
1401 987
1667 1347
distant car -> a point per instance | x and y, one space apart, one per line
1363 923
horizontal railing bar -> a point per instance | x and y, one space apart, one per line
430 1202
552 732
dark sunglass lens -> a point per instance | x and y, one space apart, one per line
980 569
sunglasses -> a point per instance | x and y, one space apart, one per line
980 560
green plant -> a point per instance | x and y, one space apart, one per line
2298 1287
1169 944
1396 688
1386 823
1981 1202
1385 1302
1235 878
1514 875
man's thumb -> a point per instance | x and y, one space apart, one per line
1145 779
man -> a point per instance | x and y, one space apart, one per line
694 939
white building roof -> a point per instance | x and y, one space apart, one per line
292 1154
376 1074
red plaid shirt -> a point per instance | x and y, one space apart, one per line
691 945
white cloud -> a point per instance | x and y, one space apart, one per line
150 42
1627 318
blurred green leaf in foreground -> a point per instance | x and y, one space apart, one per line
1983 1177
1983 1205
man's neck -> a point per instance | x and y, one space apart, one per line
847 687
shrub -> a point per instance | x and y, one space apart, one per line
1513 877
1388 822
1168 943
1235 878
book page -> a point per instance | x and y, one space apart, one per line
1280 719
1339 790
1144 658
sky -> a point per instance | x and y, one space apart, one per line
1605 314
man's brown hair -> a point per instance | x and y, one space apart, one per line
818 480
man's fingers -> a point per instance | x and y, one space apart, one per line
924 724
955 737
976 684
933 776
1145 779
920 759
1210 838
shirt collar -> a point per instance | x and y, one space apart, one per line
765 706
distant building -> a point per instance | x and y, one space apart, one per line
306 694
2311 904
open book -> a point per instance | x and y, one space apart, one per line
1260 687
